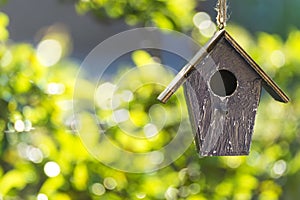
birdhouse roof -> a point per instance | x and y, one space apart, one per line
268 84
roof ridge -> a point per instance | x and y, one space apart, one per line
268 84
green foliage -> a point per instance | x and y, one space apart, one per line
33 101
3 23
171 14
41 156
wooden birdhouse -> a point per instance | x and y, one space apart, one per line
222 89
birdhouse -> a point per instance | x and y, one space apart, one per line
222 88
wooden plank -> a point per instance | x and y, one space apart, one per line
181 77
269 85
223 126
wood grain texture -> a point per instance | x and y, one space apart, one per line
223 125
268 84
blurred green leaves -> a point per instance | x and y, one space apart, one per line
3 23
42 156
31 97
171 14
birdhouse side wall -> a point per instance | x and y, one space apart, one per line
223 125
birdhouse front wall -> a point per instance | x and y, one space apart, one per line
222 94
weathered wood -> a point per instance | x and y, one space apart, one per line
222 110
223 125
269 85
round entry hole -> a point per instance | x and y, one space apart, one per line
223 83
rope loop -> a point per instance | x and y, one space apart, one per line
222 14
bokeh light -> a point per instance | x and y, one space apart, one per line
277 58
19 126
55 88
42 196
49 52
150 130
6 59
110 183
98 189
171 193
141 195
279 168
121 115
52 169
104 95
204 23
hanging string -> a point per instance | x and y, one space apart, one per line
222 14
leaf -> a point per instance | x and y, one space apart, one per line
12 179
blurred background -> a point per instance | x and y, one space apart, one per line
42 44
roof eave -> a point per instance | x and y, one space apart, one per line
268 84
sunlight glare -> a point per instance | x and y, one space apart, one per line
51 169
49 52
42 196
19 126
